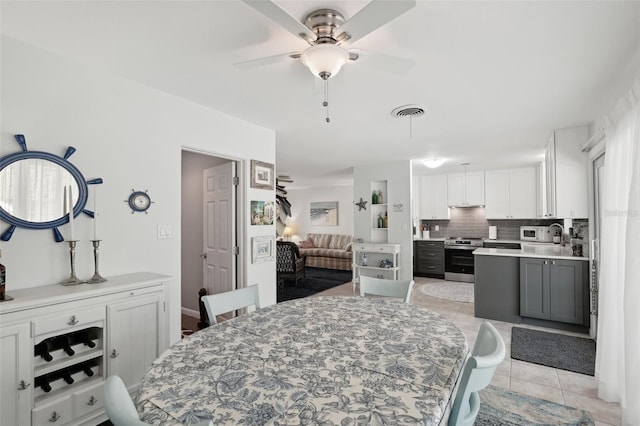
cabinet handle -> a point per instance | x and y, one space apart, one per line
73 320
114 354
546 262
54 417
92 401
23 385
553 262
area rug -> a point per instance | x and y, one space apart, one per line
315 281
577 354
501 407
449 290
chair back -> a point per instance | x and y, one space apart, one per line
287 253
389 288
118 403
228 301
488 352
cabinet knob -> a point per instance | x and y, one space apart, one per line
73 320
54 417
92 400
23 385
114 354
546 262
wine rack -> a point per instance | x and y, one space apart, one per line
67 361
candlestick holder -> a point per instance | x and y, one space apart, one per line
96 278
73 279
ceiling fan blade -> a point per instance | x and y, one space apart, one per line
373 16
274 12
387 63
267 60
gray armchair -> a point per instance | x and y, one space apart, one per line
289 264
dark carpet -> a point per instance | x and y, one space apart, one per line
316 280
577 354
501 407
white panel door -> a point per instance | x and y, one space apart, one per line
134 330
219 228
16 386
497 194
522 193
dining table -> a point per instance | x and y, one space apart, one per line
314 361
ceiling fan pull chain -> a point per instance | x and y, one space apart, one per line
410 127
326 99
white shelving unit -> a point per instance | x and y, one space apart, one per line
375 252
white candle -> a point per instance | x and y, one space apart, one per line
65 201
71 213
95 213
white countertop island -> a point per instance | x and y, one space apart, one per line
533 250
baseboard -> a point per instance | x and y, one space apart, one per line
190 312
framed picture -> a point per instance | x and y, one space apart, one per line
262 212
261 175
324 213
262 249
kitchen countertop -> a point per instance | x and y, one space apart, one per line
551 251
428 239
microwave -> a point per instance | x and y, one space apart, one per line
541 234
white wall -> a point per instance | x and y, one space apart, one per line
301 200
132 137
398 177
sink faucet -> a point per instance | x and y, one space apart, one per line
561 232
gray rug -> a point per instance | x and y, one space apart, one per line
577 354
449 290
501 407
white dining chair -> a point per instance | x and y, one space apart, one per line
228 301
118 403
389 288
488 352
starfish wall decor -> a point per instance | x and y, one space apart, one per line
362 205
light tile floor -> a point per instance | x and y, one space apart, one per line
563 387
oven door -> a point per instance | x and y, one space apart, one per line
459 264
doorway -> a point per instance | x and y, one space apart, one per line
597 192
194 234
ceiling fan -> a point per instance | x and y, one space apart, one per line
328 33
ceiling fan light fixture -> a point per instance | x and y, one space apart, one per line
433 163
324 60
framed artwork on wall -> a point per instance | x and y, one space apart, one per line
261 175
262 249
324 213
262 212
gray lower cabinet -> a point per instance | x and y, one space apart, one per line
555 290
428 259
497 288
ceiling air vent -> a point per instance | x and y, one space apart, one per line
408 111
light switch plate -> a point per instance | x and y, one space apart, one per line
164 232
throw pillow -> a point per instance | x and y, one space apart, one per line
308 243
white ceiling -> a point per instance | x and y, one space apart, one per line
494 77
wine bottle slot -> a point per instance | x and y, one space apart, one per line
44 350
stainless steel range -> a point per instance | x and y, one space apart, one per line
458 258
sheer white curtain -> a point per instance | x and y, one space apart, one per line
618 348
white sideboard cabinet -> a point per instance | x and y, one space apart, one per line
60 343
377 256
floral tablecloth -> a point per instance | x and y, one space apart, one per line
314 361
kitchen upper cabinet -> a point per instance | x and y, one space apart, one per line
433 197
510 194
465 189
565 174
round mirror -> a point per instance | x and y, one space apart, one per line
33 190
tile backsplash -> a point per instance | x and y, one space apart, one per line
472 223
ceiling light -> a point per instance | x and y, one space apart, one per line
324 60
432 163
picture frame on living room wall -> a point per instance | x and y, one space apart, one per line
324 213
262 249
261 175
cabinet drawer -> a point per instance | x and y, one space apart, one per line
56 413
430 244
430 269
422 260
88 400
68 320
374 249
